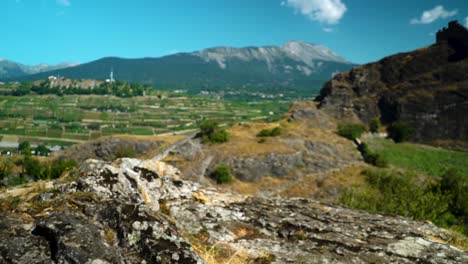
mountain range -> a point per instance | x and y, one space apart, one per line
10 69
294 64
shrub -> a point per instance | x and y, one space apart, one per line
218 136
222 174
351 131
404 193
208 127
124 152
399 132
396 193
455 184
371 157
58 167
374 125
32 167
210 132
274 132
6 166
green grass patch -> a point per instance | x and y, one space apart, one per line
429 160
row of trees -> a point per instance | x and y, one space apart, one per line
120 89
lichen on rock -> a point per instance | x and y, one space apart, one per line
139 211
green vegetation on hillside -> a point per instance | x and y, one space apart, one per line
399 132
222 174
19 169
274 132
212 133
372 158
428 160
351 131
444 201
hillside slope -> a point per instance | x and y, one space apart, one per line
427 89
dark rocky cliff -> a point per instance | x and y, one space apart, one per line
426 88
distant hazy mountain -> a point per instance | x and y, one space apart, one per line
295 64
10 69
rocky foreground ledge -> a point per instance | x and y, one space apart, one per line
135 211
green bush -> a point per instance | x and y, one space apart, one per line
274 132
56 168
211 133
400 132
371 157
222 174
351 131
455 184
208 127
52 170
374 125
218 136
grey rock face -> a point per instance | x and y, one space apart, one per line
135 211
109 215
425 88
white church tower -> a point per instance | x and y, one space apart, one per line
111 79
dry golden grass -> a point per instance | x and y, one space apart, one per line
317 186
265 184
243 141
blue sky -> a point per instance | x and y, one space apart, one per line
54 31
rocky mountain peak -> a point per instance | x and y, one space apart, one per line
308 52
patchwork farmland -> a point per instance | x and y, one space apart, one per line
67 119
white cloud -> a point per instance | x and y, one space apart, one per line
63 2
466 22
429 16
324 11
328 30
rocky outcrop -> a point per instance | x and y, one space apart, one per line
106 148
134 211
427 89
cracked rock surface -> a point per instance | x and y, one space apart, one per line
136 211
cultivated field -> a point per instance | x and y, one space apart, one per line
74 118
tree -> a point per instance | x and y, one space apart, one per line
25 148
42 150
